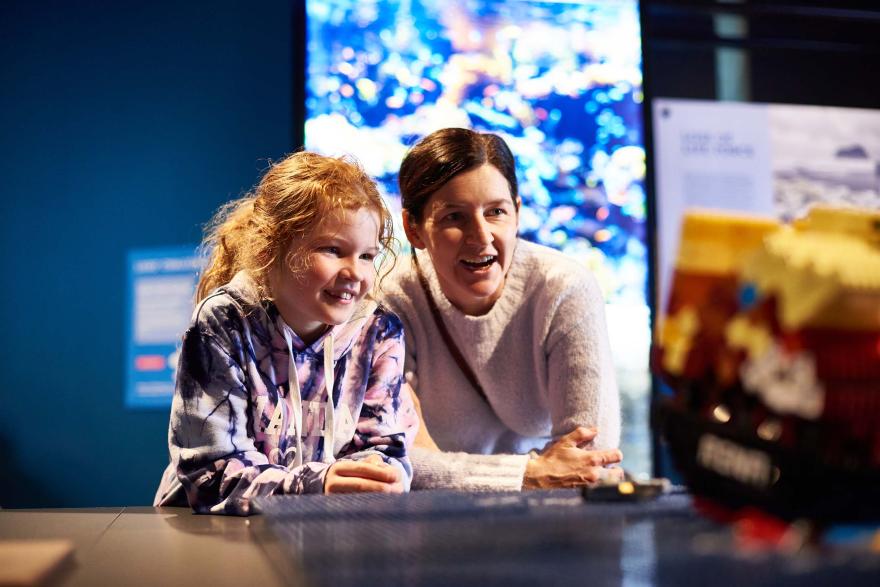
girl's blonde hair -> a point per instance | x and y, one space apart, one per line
293 197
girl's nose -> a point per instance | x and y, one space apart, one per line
351 271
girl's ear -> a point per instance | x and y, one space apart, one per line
412 230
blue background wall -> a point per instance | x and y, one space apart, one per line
124 125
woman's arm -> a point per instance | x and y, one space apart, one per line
435 469
581 382
562 464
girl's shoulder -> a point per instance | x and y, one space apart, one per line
229 305
386 320
372 324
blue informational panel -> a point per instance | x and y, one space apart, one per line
161 285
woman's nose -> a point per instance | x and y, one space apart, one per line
479 231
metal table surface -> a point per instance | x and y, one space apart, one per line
533 538
428 538
146 546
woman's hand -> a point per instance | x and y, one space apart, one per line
566 464
369 475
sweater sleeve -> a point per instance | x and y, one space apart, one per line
467 472
211 434
388 421
582 384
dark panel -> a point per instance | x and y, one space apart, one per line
124 125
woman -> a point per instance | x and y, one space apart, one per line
506 344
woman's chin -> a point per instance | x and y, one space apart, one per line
476 299
481 280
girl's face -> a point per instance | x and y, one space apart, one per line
469 230
339 274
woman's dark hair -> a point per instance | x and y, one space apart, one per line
442 155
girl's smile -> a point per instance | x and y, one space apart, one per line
340 272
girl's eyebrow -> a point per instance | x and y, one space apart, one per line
335 239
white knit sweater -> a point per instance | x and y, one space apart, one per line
541 355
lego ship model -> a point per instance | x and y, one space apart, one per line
769 350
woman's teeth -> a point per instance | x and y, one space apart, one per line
478 262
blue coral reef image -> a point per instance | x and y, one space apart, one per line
561 82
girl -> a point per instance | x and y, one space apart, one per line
283 316
506 340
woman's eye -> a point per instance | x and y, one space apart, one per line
497 211
451 217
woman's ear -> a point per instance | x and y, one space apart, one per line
412 230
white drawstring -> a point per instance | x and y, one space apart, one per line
296 398
329 408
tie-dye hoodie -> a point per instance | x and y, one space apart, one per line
234 424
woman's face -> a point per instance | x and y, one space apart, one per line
469 230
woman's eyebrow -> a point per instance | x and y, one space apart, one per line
500 201
440 206
444 205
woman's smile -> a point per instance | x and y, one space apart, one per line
479 263
469 231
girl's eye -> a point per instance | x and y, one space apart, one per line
368 257
330 250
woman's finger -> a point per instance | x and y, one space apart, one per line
600 458
579 436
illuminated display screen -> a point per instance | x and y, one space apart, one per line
560 81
